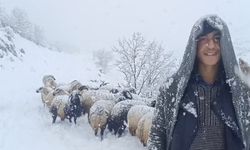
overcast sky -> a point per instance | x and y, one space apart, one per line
89 25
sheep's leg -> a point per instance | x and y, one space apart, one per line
88 118
70 119
102 131
121 130
62 119
96 131
110 126
54 114
75 119
82 110
54 118
110 129
115 131
132 131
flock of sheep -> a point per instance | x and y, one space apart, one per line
114 108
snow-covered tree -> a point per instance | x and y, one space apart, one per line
21 24
4 18
143 63
103 59
38 36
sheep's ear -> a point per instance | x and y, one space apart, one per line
53 77
70 97
39 90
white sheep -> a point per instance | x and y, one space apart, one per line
89 97
244 66
70 87
243 71
86 101
49 81
57 108
44 93
99 115
144 127
74 85
52 95
134 115
148 101
102 95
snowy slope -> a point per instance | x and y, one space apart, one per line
26 124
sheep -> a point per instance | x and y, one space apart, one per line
144 127
83 87
118 119
74 108
99 114
66 106
70 87
52 94
86 101
59 108
123 95
114 91
245 68
134 115
243 71
74 85
49 81
89 97
149 101
44 93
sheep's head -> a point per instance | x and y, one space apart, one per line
74 85
44 90
114 91
75 98
245 68
127 94
59 91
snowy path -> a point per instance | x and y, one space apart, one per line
26 124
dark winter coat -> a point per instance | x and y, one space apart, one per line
172 91
186 126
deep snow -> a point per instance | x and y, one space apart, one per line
26 124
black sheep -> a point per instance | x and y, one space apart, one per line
74 109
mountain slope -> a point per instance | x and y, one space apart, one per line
24 122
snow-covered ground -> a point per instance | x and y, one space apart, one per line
26 124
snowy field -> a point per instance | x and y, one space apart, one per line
26 124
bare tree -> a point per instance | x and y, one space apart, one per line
143 63
38 36
103 59
21 24
4 17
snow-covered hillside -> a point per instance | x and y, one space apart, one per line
25 123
